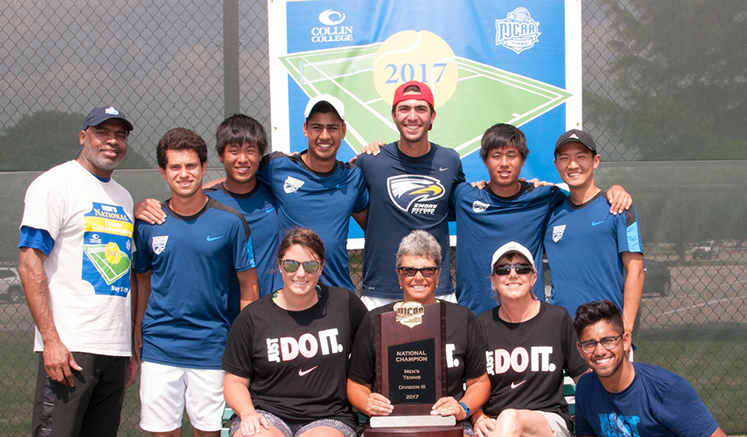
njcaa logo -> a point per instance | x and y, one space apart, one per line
291 185
517 32
331 32
411 192
307 345
159 244
536 359
478 206
557 233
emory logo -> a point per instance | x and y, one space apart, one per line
478 206
410 192
557 233
291 184
159 244
517 32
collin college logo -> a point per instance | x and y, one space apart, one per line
332 30
517 32
411 192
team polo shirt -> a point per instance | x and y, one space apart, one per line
192 260
258 209
406 194
322 202
485 222
583 245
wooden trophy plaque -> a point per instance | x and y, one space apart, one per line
411 371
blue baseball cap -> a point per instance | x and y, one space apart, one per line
100 115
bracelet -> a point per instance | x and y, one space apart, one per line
466 409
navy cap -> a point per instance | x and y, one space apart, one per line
576 136
100 115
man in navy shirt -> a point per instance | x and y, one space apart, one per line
410 183
622 398
592 253
184 267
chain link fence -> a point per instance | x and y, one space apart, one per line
665 87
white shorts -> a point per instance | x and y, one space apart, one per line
375 302
557 424
166 390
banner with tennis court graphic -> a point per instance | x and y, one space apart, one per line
488 62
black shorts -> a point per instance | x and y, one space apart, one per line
91 408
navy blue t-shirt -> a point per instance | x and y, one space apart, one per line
258 209
657 403
192 260
485 222
584 245
406 194
320 202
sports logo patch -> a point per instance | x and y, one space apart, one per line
291 184
557 233
517 32
159 244
411 193
478 206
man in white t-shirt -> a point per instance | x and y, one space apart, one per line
76 245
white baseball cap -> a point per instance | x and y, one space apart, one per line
512 247
332 100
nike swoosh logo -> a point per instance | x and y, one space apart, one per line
514 385
209 238
597 223
443 169
306 372
269 210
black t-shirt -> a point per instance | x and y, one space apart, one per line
525 361
465 344
297 361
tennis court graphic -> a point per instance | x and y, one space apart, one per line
484 95
109 261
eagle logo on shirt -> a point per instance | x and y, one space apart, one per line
407 190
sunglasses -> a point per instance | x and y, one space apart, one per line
427 272
607 343
291 265
505 269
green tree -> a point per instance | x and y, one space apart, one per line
678 77
47 138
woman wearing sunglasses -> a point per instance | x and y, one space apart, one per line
418 269
290 349
530 343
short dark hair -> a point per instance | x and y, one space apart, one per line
323 107
500 136
240 129
303 237
180 139
413 89
593 312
